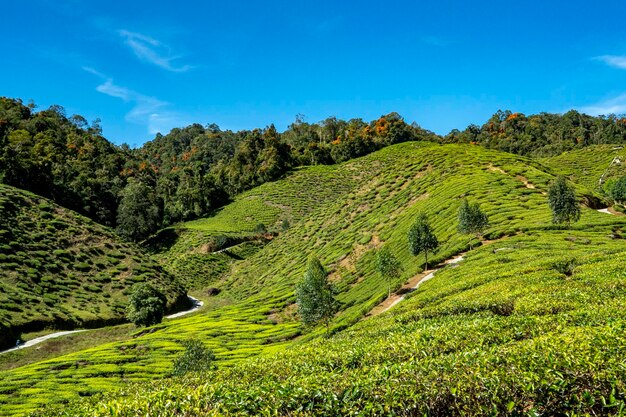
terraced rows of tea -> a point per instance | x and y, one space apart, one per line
379 197
58 268
511 330
587 165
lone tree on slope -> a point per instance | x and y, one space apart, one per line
387 266
146 305
315 295
422 238
472 220
563 203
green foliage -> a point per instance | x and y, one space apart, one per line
138 213
146 305
61 158
260 228
66 277
542 134
565 267
592 166
562 202
470 320
421 237
196 358
191 171
387 265
450 348
472 220
315 295
616 189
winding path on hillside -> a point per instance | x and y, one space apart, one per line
607 211
196 304
411 286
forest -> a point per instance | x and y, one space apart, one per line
195 170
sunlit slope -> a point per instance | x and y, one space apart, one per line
379 199
587 165
60 269
193 250
510 331
396 184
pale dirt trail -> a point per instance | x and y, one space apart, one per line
38 340
196 305
412 285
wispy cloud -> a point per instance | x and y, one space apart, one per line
146 110
615 105
153 51
616 61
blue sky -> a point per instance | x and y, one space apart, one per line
146 66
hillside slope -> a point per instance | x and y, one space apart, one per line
508 331
59 269
381 195
588 165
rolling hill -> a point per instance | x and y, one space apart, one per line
588 165
61 270
530 317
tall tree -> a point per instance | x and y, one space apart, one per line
315 295
421 238
472 220
563 203
388 266
138 213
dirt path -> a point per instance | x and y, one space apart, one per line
410 286
196 305
38 340
610 210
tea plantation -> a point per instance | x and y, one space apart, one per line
529 323
587 165
59 269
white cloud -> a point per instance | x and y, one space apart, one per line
615 105
613 60
153 51
146 110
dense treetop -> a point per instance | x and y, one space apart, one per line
542 134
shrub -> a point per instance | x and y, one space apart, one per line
196 358
146 305
565 267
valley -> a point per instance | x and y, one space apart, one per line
505 305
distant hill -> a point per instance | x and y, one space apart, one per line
59 269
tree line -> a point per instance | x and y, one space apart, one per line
542 134
194 170
179 176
